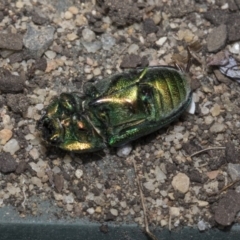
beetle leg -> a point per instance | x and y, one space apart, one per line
73 145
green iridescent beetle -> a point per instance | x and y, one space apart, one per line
116 110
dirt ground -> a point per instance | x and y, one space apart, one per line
50 47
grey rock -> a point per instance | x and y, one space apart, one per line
41 64
92 47
217 128
216 16
216 40
124 151
149 26
11 83
107 41
1 16
88 35
202 226
16 57
6 53
58 182
130 61
237 3
11 41
160 175
38 17
38 39
231 153
121 12
233 27
227 208
234 171
7 163
18 103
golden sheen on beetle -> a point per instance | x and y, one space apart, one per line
116 110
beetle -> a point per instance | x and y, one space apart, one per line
117 109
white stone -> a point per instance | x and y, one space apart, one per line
36 181
181 182
68 15
133 48
125 150
161 41
34 153
91 210
68 198
73 10
88 35
149 185
174 211
5 136
11 146
160 176
19 4
235 48
50 54
217 128
79 173
114 211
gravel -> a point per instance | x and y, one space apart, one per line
53 48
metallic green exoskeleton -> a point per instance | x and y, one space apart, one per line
116 110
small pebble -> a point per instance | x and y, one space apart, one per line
79 173
19 4
88 35
114 211
97 71
215 110
11 146
213 174
217 128
36 181
202 226
91 210
68 198
98 209
7 163
5 136
202 203
73 10
68 15
161 41
34 153
149 185
72 36
92 47
125 150
208 120
181 182
216 39
123 204
174 211
50 54
108 41
160 176
235 48
234 171
133 48
205 110
69 207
